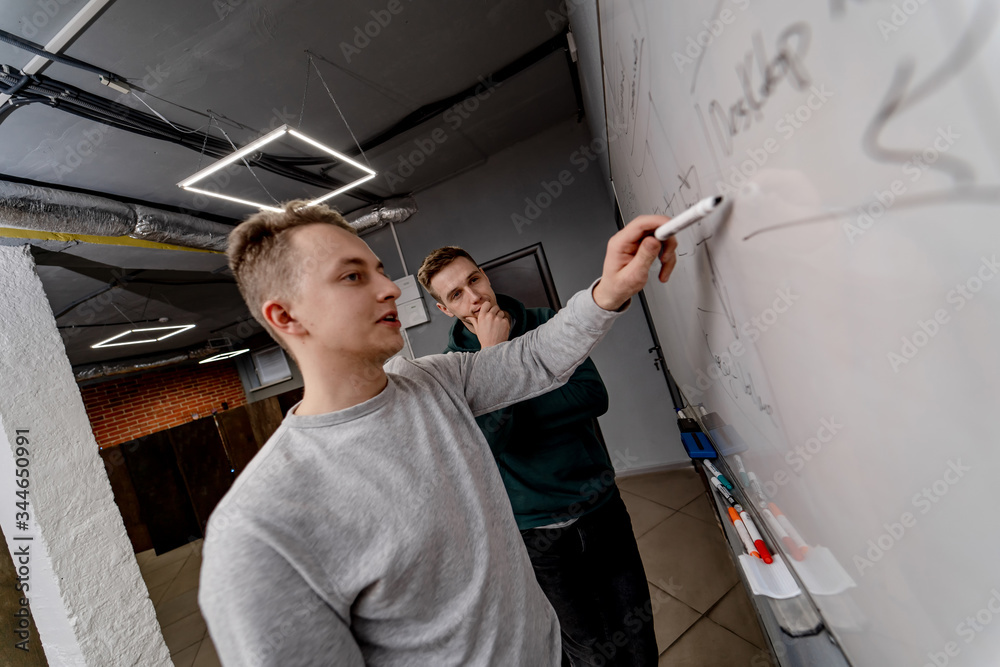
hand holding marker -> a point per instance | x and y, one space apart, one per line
687 218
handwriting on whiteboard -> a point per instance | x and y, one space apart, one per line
758 77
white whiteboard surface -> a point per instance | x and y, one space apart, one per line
857 357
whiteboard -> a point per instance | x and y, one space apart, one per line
843 316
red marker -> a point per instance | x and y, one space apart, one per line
758 541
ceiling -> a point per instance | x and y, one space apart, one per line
481 75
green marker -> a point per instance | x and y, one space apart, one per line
715 473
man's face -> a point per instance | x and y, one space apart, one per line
345 301
463 289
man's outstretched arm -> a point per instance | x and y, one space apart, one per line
545 358
582 398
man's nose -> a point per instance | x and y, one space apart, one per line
389 289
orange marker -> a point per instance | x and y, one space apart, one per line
741 530
779 531
789 528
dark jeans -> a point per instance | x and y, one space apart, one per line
593 576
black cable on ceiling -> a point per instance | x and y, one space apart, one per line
104 324
432 109
39 50
45 92
182 283
68 98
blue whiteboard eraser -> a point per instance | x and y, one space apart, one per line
698 446
695 441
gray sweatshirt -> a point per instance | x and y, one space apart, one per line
382 534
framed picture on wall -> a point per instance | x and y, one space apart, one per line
271 365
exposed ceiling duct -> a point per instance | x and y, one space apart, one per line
374 217
122 367
55 211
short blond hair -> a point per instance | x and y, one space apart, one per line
261 255
436 262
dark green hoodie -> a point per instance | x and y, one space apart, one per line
550 458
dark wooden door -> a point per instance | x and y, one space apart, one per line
207 470
163 497
266 416
238 436
126 498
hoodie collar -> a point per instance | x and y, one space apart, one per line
463 340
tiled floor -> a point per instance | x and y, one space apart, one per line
701 613
172 580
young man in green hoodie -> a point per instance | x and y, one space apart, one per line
558 476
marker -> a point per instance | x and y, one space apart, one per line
755 485
721 489
715 472
687 218
741 530
758 541
741 470
782 535
789 528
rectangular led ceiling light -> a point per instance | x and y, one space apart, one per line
174 330
224 355
189 182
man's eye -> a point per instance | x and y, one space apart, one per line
353 277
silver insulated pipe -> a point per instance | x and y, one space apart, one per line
51 210
376 216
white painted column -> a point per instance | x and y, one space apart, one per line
88 599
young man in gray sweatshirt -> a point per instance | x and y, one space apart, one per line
373 527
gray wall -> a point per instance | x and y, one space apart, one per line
586 32
475 210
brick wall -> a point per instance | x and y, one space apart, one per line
136 405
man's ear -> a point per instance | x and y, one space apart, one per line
281 319
443 309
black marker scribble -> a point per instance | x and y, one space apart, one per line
975 194
838 8
897 100
788 65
